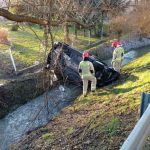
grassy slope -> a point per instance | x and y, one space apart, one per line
101 121
27 47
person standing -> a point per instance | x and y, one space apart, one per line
118 54
87 73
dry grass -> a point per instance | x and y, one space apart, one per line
3 35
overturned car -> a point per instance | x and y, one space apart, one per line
66 59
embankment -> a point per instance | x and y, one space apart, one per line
104 51
98 121
17 91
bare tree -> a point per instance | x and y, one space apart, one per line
119 26
135 24
87 13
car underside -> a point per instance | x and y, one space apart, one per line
66 59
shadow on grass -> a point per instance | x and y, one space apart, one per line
89 99
23 49
124 78
124 90
86 101
142 68
27 33
139 68
121 90
127 77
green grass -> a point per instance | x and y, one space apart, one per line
113 126
105 119
48 138
27 48
116 101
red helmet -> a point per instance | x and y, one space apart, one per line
115 44
85 54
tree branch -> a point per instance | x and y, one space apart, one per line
21 18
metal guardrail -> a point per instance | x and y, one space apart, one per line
137 138
145 101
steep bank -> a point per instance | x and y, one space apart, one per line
104 50
20 89
99 121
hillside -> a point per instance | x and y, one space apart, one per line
99 121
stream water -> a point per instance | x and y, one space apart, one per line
131 55
35 113
39 111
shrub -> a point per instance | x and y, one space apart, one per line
136 24
15 27
113 126
3 35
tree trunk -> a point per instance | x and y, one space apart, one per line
84 32
46 28
66 33
119 33
136 2
95 31
75 31
90 33
102 25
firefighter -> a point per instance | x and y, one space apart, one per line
87 73
118 54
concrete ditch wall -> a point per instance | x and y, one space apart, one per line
16 92
104 51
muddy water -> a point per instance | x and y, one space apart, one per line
37 113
